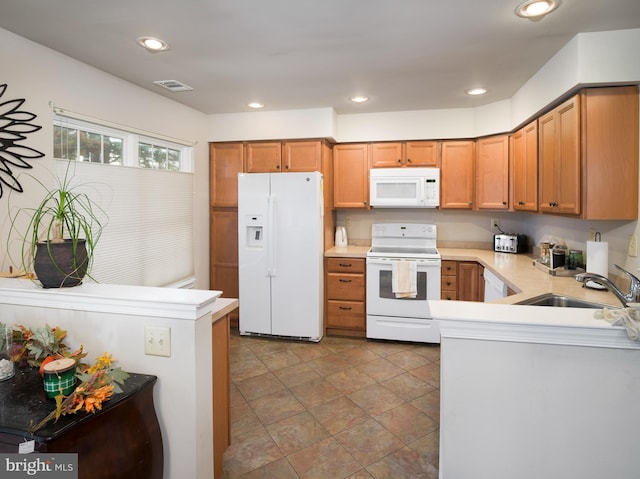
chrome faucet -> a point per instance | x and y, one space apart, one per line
633 296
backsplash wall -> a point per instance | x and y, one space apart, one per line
474 228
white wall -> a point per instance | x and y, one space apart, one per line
111 318
43 76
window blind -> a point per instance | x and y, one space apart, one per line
148 240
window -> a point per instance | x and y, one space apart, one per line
148 239
80 140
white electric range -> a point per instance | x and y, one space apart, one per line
403 249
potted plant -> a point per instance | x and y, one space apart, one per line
61 234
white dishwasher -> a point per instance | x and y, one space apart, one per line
494 287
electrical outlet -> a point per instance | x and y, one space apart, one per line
347 221
157 341
633 246
495 222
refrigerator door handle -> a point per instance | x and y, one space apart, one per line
271 236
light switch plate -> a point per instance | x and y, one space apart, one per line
157 341
633 246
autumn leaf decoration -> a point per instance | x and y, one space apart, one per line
15 124
98 383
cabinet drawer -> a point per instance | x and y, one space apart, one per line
449 283
449 267
449 295
345 265
345 286
346 315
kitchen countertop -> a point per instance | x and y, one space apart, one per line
516 270
503 320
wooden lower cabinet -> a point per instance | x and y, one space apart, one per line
462 281
345 292
449 280
224 253
221 393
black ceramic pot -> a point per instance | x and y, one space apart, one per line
57 266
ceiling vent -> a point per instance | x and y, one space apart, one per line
173 85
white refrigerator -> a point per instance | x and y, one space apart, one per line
280 254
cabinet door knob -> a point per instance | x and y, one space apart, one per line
504 203
286 167
277 167
399 161
408 160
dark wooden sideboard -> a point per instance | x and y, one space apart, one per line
123 440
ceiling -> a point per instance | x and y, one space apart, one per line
299 54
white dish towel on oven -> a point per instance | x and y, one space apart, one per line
404 279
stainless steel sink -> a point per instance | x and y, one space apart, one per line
559 301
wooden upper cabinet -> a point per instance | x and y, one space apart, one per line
492 173
225 162
559 159
351 176
610 153
457 174
524 161
302 155
401 154
264 157
284 156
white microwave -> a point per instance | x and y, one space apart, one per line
404 187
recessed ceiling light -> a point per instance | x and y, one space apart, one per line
476 91
359 99
152 44
255 104
536 9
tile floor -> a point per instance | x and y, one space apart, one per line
342 408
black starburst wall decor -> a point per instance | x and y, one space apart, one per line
15 124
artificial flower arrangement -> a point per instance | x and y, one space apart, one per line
98 382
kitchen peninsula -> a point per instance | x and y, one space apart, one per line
532 391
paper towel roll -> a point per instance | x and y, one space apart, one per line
598 257
597 260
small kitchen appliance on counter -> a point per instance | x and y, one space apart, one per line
510 243
341 237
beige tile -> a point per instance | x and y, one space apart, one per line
280 360
276 406
280 469
296 432
296 375
385 348
428 447
407 422
315 392
241 352
330 364
407 386
375 399
404 463
369 442
339 414
429 351
258 386
350 380
359 355
429 404
235 396
338 344
310 351
264 346
243 419
429 373
323 460
407 360
380 369
250 451
361 474
242 370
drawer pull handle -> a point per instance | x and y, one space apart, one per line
346 265
345 308
345 280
